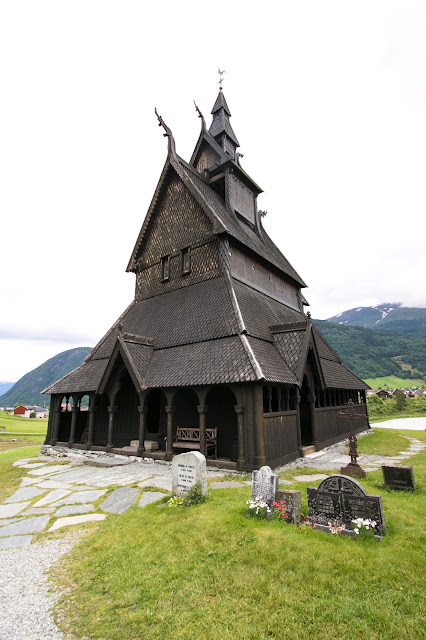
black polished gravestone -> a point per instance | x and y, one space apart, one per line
340 498
398 478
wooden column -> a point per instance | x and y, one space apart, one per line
239 410
202 410
75 411
259 458
111 412
141 447
169 449
299 428
56 421
311 400
91 427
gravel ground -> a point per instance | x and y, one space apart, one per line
26 599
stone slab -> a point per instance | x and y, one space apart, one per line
52 496
226 484
264 483
32 465
292 503
160 482
19 463
66 522
27 482
82 474
398 478
120 500
312 478
82 497
109 462
74 509
285 483
53 484
28 525
38 512
25 493
50 469
10 510
149 497
14 542
9 521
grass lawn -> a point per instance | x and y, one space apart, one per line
208 572
393 382
10 477
26 431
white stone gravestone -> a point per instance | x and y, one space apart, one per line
264 484
188 470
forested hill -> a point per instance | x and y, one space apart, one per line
371 353
410 321
27 389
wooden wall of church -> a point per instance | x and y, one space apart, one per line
280 437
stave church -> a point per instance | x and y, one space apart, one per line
216 352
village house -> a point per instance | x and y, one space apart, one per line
25 410
216 352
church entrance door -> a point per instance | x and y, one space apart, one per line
305 413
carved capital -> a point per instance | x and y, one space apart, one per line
239 408
169 409
202 408
112 409
141 408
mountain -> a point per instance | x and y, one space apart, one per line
5 386
371 353
410 321
27 389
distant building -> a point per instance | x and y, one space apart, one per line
25 410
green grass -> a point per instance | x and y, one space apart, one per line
10 476
208 572
393 382
383 442
18 425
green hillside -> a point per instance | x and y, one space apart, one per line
28 389
371 353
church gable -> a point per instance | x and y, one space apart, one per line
176 222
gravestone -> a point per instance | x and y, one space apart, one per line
264 484
292 503
189 469
398 478
343 499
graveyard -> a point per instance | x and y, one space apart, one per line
210 571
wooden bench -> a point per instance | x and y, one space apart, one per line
189 438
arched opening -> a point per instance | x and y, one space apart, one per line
185 402
64 428
156 417
221 414
126 423
100 433
305 413
275 404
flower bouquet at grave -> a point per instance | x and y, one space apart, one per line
258 508
364 528
278 511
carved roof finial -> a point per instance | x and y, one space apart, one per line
168 134
221 74
200 115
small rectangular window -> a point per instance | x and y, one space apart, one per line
186 261
165 268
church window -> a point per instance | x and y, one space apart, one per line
165 268
186 261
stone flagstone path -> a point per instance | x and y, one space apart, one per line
63 495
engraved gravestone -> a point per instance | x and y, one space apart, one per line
292 503
264 484
398 478
188 470
343 499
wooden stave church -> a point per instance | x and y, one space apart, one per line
216 335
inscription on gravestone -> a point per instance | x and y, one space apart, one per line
398 478
343 499
264 484
188 470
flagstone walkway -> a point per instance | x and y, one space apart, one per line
53 496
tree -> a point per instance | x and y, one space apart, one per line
401 400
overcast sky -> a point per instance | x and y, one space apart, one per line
328 101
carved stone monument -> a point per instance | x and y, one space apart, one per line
292 503
398 478
188 470
343 499
264 484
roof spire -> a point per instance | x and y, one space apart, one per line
220 128
221 74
